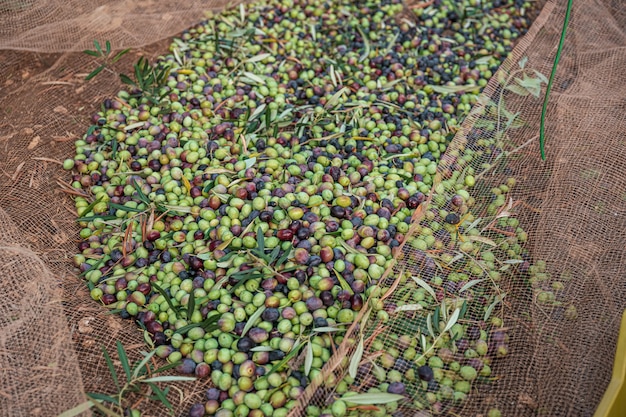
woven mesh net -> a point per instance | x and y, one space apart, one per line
560 351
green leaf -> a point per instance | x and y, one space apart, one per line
166 367
79 409
209 186
191 305
249 163
259 57
482 239
111 367
483 60
98 48
113 148
424 343
121 353
451 89
327 329
522 62
93 268
261 349
436 317
520 91
497 300
542 77
452 320
366 44
253 318
108 47
127 80
372 398
356 358
286 254
425 286
101 217
120 54
254 78
533 85
409 307
294 351
91 129
334 99
470 284
125 208
273 255
143 363
344 284
105 410
308 358
513 261
429 325
87 209
101 397
169 378
164 294
140 193
464 308
162 396
91 53
260 240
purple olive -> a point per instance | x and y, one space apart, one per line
396 388
196 410
314 303
425 373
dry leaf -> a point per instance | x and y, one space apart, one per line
33 143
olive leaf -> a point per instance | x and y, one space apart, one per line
327 329
409 307
344 284
168 299
191 305
356 358
79 409
142 364
255 78
259 57
425 286
111 367
308 358
366 44
522 62
482 239
498 299
429 325
169 378
470 284
253 318
257 112
483 60
371 398
451 89
261 349
121 353
452 320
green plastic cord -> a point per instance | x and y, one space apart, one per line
542 137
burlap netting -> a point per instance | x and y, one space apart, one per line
51 331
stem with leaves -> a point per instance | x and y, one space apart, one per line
139 379
105 55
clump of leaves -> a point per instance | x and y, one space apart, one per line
146 79
106 56
139 380
264 263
